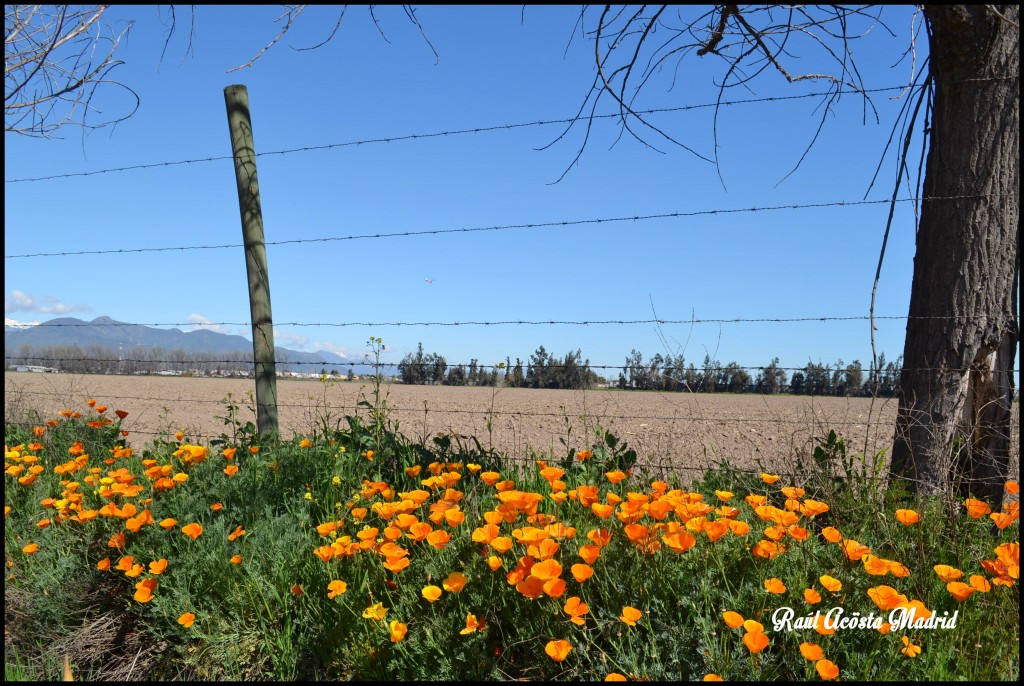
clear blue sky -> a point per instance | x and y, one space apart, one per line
498 65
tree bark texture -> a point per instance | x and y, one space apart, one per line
953 426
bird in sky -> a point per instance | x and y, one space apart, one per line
429 280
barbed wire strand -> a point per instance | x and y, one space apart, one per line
436 134
505 227
535 322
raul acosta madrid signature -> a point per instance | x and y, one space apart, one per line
785 618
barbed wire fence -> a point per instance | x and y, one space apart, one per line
324 406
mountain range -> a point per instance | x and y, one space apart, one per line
113 335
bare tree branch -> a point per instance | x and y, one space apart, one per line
53 66
756 36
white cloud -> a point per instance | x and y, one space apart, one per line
198 321
290 340
15 324
19 301
304 344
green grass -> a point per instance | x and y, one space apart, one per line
270 617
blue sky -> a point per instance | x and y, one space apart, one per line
496 66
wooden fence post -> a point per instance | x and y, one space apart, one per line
236 98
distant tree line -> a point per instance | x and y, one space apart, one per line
97 359
542 370
659 373
671 373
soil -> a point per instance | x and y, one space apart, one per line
675 431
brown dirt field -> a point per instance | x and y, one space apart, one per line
668 430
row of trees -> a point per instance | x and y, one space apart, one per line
658 373
98 359
671 373
542 370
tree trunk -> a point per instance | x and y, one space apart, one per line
953 426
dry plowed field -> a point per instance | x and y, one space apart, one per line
670 430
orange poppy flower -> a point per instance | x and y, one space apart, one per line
454 582
907 517
769 478
30 549
193 530
615 477
217 507
811 596
144 590
103 565
239 531
601 510
236 559
831 583
813 508
305 443
336 588
823 626
472 624
396 563
554 587
854 550
581 572
976 508
707 677
774 585
960 591
158 566
231 469
558 650
811 651
947 573
716 529
431 593
397 630
980 583
831 534
630 615
733 620
909 649
576 608
755 500
439 539
755 641
681 541
187 620
548 569
767 549
875 566
886 597
827 670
